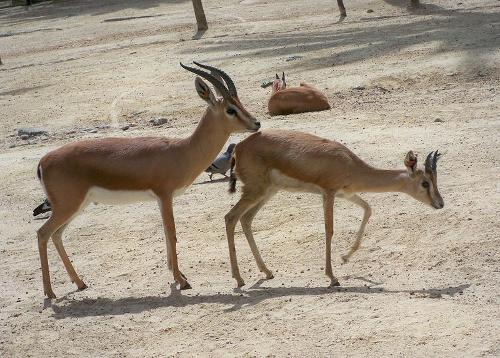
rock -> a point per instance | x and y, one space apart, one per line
369 11
31 132
159 121
438 120
359 88
266 84
92 130
24 137
293 58
103 126
13 145
124 128
139 112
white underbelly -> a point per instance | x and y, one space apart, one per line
285 182
98 195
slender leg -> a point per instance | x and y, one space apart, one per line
367 213
57 240
341 6
58 218
246 224
328 201
170 235
245 203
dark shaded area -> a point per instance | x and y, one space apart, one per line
21 91
48 29
117 19
67 8
470 30
247 297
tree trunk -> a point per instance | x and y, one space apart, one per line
201 20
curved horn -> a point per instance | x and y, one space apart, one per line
428 163
209 77
229 82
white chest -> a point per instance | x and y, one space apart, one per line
117 197
285 182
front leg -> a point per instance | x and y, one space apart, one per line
359 236
167 214
328 201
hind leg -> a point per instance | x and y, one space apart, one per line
62 212
246 224
57 219
57 240
247 201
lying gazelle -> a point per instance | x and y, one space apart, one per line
277 159
124 170
293 100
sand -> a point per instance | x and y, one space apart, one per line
423 284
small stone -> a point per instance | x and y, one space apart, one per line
158 121
359 88
369 11
25 137
293 58
31 132
13 145
93 130
124 128
438 120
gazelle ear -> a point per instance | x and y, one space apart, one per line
204 92
277 77
411 163
283 81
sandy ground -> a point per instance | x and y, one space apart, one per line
425 282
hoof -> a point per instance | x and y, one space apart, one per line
240 283
50 294
185 286
269 275
82 287
334 283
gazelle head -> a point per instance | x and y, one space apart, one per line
227 106
423 185
279 84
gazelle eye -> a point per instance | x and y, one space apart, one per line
425 184
231 111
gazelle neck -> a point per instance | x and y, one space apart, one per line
203 145
381 180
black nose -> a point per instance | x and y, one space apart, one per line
257 124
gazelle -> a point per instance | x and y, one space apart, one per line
277 159
123 170
293 100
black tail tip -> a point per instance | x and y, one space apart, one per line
232 185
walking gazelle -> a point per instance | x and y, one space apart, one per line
277 159
124 170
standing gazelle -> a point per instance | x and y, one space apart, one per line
124 170
276 159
